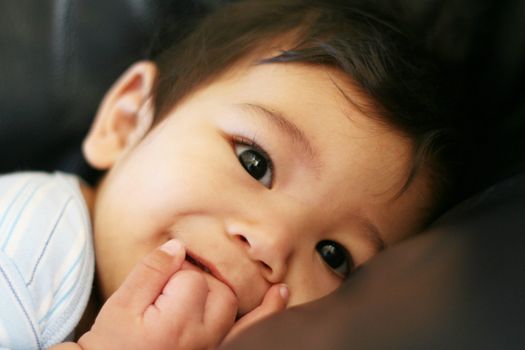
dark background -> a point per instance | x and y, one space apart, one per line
58 57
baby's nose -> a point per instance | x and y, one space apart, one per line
270 250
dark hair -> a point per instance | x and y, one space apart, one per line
364 41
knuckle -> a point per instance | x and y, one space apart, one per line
193 279
230 300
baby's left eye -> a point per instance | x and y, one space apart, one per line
336 257
256 162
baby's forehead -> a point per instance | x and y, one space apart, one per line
313 102
305 86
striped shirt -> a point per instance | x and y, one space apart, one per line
46 259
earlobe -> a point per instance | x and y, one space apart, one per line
123 118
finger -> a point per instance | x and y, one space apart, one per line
221 309
183 298
147 279
194 308
274 300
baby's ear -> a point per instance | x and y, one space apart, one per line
123 118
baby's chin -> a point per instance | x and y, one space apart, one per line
244 312
247 304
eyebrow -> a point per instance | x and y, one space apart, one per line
371 233
282 123
374 235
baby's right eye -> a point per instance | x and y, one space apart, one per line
256 162
336 257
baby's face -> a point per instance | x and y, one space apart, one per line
267 175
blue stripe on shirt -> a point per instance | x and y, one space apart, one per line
13 225
62 283
8 209
46 244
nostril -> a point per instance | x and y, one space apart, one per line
266 266
243 240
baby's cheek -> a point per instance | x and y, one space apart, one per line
305 293
296 299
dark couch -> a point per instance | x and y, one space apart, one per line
458 285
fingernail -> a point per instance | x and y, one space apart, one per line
172 247
283 290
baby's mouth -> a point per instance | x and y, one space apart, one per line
208 268
198 264
194 262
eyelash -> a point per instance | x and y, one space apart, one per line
251 142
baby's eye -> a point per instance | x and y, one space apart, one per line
336 257
256 162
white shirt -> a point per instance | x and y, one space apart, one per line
46 259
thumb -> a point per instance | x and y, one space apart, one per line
274 300
147 279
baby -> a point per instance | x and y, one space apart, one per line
268 154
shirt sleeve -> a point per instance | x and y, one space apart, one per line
46 259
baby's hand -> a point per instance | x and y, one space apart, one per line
160 306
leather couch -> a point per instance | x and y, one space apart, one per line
458 285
